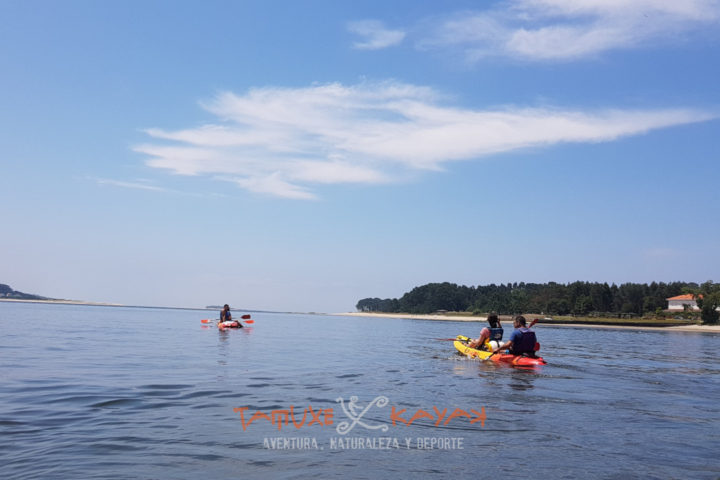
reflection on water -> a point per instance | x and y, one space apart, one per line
129 401
522 379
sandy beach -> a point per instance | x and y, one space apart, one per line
452 318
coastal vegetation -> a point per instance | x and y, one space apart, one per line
708 299
7 292
580 299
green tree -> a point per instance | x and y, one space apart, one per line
558 307
602 297
583 305
708 299
519 301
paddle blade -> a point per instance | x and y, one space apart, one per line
245 317
249 321
206 320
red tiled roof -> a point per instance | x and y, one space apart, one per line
688 296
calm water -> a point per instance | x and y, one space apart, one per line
101 392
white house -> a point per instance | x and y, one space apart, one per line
678 303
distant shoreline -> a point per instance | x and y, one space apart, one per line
409 316
92 304
451 318
105 304
63 302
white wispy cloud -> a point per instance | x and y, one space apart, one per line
557 30
375 35
284 141
136 185
143 184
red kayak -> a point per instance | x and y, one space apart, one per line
519 360
232 324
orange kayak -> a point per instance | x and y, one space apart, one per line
461 344
233 324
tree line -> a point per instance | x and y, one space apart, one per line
577 298
7 292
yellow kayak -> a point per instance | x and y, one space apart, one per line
461 343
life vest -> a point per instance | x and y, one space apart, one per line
496 333
493 341
526 344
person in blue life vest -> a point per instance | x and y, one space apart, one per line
225 315
522 340
492 334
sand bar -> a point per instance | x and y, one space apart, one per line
452 318
60 302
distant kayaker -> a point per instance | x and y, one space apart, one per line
522 340
494 333
225 315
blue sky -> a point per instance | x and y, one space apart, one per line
303 155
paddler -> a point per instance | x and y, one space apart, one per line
494 333
225 315
522 340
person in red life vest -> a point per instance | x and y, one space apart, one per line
522 341
493 333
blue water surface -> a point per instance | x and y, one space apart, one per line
135 393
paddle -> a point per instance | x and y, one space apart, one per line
245 317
